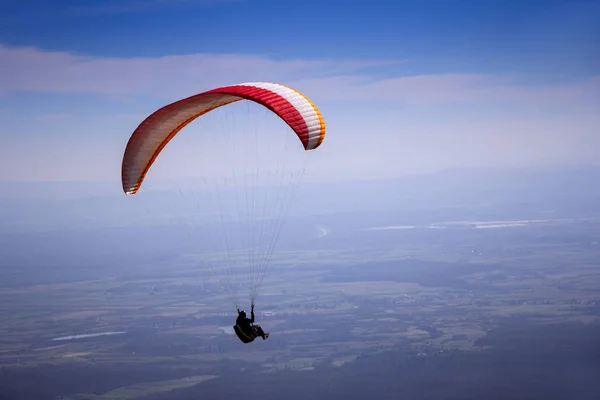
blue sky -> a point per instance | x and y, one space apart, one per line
432 84
531 36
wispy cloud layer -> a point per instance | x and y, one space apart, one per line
34 70
455 88
498 125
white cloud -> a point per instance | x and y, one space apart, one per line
453 88
34 70
418 132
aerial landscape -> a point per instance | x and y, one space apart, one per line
405 221
110 323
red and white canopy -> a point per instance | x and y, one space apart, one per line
153 134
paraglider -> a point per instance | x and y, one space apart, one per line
266 203
245 329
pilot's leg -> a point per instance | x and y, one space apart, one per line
260 332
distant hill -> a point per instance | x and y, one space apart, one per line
558 191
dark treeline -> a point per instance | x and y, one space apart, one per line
525 361
517 360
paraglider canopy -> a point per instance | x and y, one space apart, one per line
248 207
158 129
